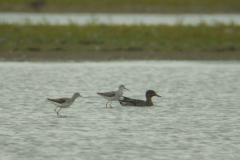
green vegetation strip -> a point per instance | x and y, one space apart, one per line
122 6
106 38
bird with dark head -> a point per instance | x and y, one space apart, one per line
136 102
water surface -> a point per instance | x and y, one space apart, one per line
197 116
119 19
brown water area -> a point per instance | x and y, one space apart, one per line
222 55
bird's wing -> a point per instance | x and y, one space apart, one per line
132 102
127 98
108 94
130 99
59 100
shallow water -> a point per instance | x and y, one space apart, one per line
197 116
119 19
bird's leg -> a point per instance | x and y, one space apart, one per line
59 113
55 109
107 103
110 104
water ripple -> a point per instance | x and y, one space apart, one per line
196 118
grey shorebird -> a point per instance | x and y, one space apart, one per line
113 95
136 102
63 102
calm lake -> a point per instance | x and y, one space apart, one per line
197 117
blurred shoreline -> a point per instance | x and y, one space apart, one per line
44 30
118 19
121 42
123 6
118 56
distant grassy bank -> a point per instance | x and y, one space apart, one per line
104 42
122 6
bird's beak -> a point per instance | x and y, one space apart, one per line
82 96
127 89
158 95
